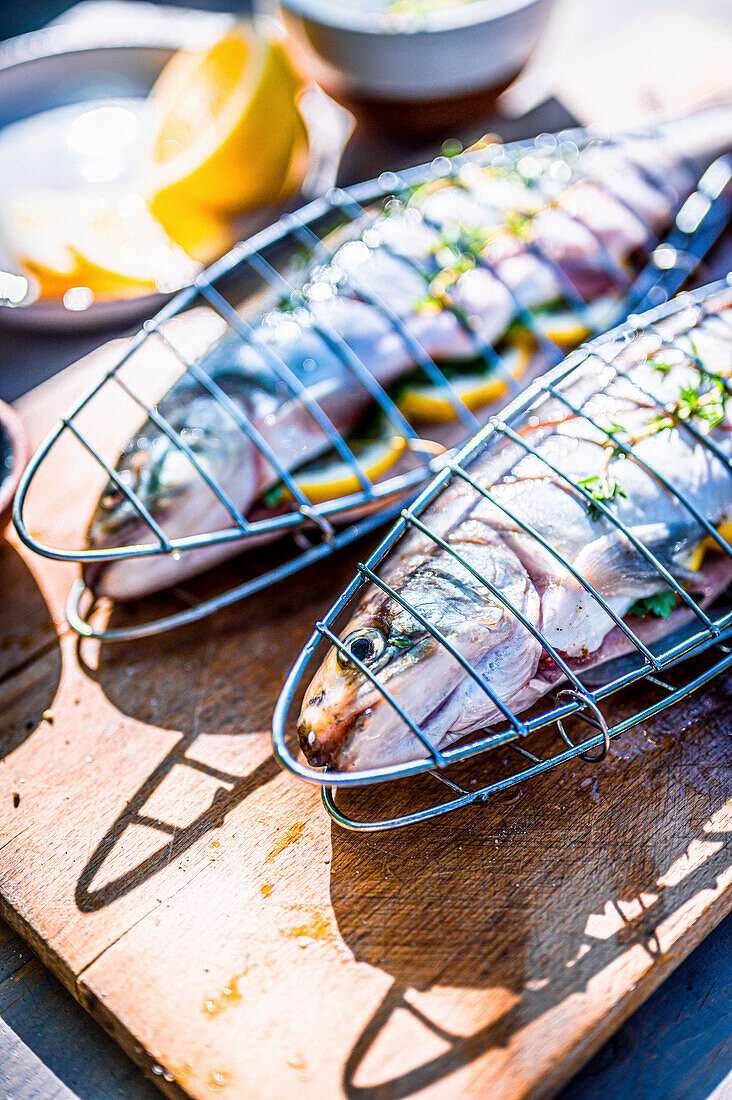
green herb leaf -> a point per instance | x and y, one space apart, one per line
274 496
601 489
518 223
664 362
661 605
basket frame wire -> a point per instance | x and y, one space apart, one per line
468 798
708 633
687 243
349 204
422 359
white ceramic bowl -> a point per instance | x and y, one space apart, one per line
447 52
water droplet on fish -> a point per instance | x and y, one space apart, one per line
78 298
529 167
560 171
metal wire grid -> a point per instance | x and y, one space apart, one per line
354 209
574 695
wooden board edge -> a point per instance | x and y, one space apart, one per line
548 1087
56 965
692 937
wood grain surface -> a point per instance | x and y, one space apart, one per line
200 905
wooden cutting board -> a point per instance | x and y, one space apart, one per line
201 905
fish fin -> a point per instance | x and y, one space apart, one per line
614 566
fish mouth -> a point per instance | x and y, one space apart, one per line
323 751
331 749
133 531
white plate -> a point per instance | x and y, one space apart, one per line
72 111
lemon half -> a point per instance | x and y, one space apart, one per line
228 125
566 329
107 242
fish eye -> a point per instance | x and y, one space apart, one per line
366 645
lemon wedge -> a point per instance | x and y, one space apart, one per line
431 404
228 125
36 237
108 243
330 477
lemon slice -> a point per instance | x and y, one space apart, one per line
36 237
697 556
566 329
119 246
563 328
431 404
330 477
228 123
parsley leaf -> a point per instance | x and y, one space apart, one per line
661 605
601 489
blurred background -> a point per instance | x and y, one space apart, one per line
19 16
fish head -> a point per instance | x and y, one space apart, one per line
347 719
343 700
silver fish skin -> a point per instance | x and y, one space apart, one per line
345 720
587 210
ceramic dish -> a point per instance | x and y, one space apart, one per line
418 52
14 454
65 81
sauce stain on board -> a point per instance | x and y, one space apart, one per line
316 928
289 836
228 996
218 1079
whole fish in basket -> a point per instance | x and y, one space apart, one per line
434 304
593 523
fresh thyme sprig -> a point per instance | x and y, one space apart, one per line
600 488
694 402
707 401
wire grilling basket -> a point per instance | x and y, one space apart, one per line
262 271
641 683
